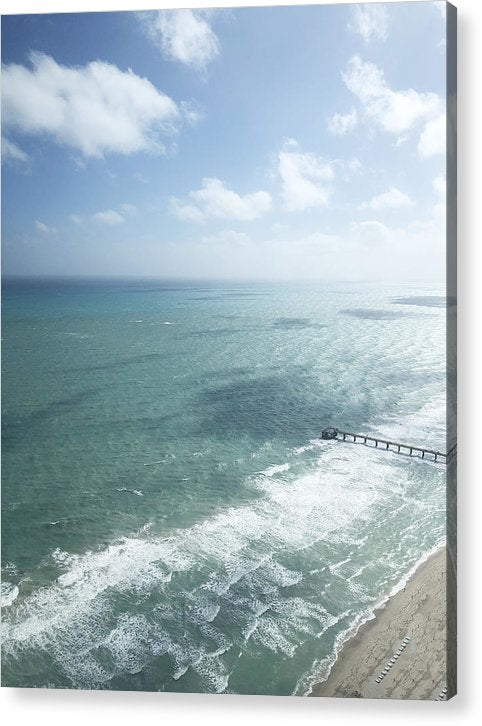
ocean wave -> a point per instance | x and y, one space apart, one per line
230 583
277 469
9 593
239 545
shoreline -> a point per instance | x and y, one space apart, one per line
416 611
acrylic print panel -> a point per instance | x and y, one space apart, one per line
229 350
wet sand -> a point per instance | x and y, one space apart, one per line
417 612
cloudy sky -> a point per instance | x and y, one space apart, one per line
289 142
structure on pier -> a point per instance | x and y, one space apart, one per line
330 433
407 449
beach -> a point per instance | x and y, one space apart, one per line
417 612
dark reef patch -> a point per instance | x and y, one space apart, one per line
296 323
15 428
373 314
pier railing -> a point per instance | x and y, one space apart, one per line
407 449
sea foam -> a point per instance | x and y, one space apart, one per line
224 586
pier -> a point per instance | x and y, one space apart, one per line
406 449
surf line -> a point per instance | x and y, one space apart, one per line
332 433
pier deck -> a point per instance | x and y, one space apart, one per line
398 448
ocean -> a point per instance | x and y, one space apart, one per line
172 520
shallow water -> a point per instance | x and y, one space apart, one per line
171 520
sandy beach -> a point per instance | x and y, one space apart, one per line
419 670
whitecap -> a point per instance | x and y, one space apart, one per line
277 469
137 492
9 593
237 560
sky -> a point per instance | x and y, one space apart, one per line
303 142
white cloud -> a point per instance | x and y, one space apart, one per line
340 124
433 137
401 140
391 199
420 235
215 200
109 216
79 163
370 21
192 113
395 247
183 35
370 231
395 111
12 152
96 108
42 227
140 178
349 166
303 177
185 211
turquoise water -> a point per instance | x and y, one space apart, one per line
171 520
